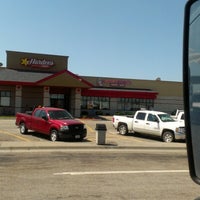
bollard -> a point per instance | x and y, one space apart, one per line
100 134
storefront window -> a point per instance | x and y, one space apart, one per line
96 103
131 104
5 98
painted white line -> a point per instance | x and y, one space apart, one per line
120 172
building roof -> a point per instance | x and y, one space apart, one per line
64 78
10 75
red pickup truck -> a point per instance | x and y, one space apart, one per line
55 122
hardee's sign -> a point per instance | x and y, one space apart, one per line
39 63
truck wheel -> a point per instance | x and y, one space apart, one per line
123 130
22 128
168 136
54 135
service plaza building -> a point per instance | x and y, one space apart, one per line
30 80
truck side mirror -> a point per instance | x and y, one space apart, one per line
191 85
45 117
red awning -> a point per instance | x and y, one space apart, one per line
117 93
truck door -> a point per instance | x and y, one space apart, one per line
35 120
152 125
43 122
39 124
139 122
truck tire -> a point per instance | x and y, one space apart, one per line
168 136
22 128
123 130
54 135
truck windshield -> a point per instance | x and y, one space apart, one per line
59 114
166 118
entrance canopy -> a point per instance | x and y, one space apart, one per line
64 78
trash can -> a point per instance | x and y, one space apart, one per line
100 133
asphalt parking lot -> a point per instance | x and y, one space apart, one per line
11 138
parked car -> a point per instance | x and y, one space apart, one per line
55 122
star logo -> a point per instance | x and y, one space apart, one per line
24 61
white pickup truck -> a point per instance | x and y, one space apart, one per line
180 117
175 113
152 123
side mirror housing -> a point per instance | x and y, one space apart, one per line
45 118
191 83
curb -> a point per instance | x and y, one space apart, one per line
99 147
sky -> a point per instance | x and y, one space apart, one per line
129 39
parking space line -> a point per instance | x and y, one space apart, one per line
123 137
88 127
16 136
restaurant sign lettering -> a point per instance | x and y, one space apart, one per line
39 63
